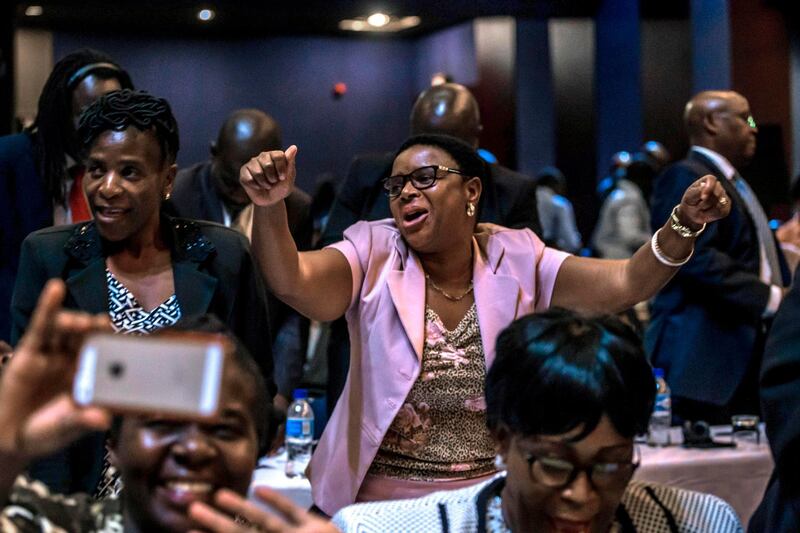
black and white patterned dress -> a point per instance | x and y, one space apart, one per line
129 317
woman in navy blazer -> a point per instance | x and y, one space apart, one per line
143 268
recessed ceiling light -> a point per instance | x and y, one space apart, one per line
34 11
369 24
378 20
205 15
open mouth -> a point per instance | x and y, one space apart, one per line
110 212
414 217
559 525
181 493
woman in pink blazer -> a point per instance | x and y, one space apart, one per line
426 294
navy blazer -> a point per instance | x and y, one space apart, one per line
212 267
508 197
705 321
24 207
780 402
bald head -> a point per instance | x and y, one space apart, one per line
450 109
251 131
244 134
721 121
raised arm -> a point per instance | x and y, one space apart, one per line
609 286
317 284
37 414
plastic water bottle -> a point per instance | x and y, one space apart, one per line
661 419
299 434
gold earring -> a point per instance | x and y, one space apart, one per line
470 209
167 196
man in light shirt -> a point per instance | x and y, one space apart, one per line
709 323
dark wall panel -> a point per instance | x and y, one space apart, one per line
495 91
666 82
290 78
535 110
572 54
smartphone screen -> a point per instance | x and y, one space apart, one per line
180 374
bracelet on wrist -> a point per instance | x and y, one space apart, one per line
684 231
662 257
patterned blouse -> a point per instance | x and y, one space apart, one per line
129 317
32 508
440 431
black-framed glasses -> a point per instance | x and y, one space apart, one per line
421 178
557 473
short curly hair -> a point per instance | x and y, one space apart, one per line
120 110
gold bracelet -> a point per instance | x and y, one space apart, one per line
684 231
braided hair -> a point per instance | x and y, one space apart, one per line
53 131
120 110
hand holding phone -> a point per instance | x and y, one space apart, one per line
178 374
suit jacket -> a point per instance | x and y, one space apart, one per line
194 196
508 198
705 321
24 207
513 274
212 267
780 403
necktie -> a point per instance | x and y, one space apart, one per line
765 237
78 206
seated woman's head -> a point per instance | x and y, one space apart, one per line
167 463
130 142
565 397
434 190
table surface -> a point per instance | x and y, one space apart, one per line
737 475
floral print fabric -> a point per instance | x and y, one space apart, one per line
440 431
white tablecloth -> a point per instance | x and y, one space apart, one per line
271 473
737 475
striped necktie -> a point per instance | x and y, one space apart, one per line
766 238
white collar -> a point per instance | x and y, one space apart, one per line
718 160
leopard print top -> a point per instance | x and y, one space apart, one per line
440 431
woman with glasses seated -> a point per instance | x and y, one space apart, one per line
425 295
564 399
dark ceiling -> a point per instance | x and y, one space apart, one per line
249 18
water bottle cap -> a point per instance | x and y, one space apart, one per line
300 394
658 372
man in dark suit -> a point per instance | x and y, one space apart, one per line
508 198
780 401
210 190
709 323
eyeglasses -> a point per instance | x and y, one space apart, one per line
421 178
558 473
747 118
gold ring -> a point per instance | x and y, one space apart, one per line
723 201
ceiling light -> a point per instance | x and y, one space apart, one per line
370 24
34 11
205 15
378 20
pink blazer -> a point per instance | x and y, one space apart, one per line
513 274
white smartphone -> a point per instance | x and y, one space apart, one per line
176 373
